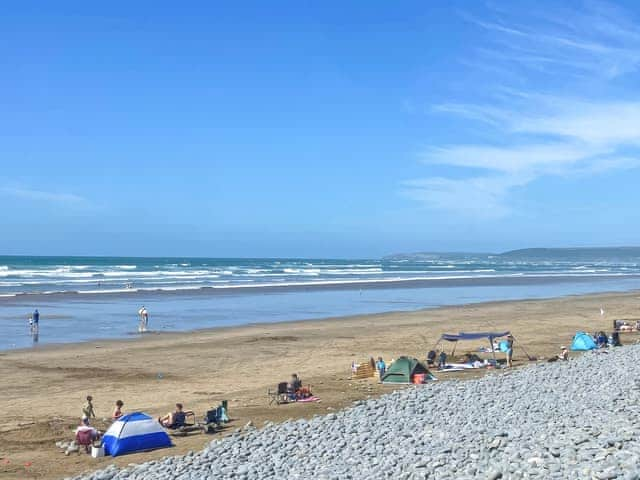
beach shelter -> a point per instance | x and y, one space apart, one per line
490 336
134 432
403 370
583 341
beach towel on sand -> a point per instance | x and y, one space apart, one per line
309 399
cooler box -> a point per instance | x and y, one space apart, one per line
97 452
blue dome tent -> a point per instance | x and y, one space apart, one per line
134 432
582 342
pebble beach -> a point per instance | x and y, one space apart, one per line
565 420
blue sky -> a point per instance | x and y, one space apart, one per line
320 129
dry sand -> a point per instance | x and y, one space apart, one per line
43 389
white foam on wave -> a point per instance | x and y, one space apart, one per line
109 290
58 272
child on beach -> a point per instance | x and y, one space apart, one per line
381 366
87 410
117 412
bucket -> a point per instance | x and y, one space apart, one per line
97 452
419 378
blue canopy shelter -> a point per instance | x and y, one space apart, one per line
450 337
583 342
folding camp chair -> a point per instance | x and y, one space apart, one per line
280 395
212 420
186 426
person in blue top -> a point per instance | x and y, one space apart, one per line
509 351
442 360
381 366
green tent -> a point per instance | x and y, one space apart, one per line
403 370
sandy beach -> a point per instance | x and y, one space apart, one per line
44 388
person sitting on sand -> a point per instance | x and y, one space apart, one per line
601 340
614 339
293 386
564 353
87 410
117 412
431 358
86 434
174 419
303 393
296 383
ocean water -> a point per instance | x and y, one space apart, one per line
104 275
83 298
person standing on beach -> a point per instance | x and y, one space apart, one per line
442 360
87 410
36 322
381 366
509 351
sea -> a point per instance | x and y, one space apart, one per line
94 298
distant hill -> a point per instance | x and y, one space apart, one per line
578 254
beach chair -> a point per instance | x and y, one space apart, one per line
186 425
212 420
280 394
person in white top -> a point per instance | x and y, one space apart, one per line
144 319
564 353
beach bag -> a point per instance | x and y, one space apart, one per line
223 415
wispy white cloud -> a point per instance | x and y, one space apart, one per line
598 39
540 135
57 198
482 196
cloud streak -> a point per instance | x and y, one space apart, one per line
598 39
68 199
539 135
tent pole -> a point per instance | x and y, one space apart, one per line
455 344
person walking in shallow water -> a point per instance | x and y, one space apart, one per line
35 326
144 319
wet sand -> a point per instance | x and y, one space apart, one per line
43 390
